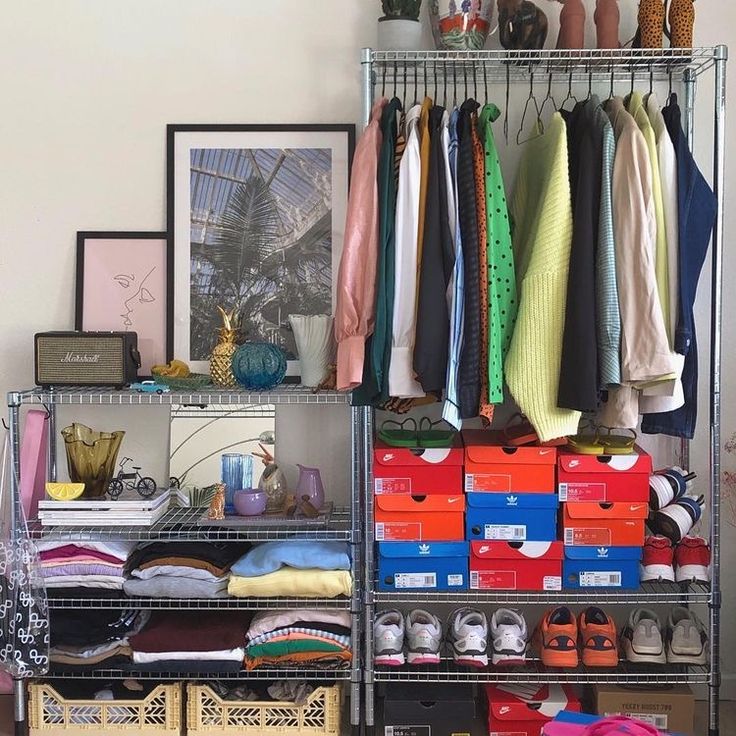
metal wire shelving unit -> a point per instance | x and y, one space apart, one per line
448 75
184 524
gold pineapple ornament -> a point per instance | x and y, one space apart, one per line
221 359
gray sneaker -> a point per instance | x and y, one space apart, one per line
424 634
687 641
641 639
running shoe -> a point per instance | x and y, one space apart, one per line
424 636
509 636
692 560
597 638
388 638
557 636
467 633
666 486
641 639
676 520
656 561
686 638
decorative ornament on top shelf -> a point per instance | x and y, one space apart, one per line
222 354
399 28
460 25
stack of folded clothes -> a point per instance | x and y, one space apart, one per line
83 564
94 639
299 638
181 569
293 568
193 643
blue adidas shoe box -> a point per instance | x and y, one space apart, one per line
431 566
511 517
601 567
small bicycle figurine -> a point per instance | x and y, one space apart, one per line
145 486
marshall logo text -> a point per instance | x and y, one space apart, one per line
80 358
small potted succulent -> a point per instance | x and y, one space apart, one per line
399 28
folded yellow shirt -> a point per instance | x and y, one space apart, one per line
289 581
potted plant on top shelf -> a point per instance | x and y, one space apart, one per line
399 28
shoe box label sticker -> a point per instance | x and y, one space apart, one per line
585 537
600 579
398 531
581 491
493 579
407 731
392 486
505 532
552 582
454 581
415 580
658 720
487 483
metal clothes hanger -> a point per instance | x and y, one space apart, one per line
383 81
475 85
506 111
590 85
531 99
485 82
465 80
570 95
426 86
403 99
444 83
454 86
416 86
611 94
436 87
548 98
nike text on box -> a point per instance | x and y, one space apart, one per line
415 518
437 566
516 566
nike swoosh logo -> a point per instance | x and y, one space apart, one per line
453 500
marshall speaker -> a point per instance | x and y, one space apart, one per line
86 358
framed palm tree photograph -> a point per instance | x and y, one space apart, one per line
256 219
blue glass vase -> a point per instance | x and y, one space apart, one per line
259 366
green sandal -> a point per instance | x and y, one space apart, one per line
401 436
434 438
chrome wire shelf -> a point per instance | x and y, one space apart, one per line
535 672
650 593
257 674
96 396
187 604
180 524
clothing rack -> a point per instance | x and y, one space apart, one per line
467 72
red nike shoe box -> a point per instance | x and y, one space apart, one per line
601 478
410 470
491 467
604 524
522 710
516 565
420 518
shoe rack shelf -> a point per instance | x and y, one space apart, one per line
457 74
182 524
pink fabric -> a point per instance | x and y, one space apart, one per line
6 684
33 462
356 283
621 726
73 553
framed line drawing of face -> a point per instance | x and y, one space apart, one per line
123 286
256 218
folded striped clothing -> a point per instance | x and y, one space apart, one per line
56 550
215 557
266 621
83 564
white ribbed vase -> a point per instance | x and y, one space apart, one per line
314 344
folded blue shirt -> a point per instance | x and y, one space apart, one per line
301 554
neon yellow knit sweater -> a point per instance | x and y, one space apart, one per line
542 214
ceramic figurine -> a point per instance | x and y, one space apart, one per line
572 25
607 18
522 25
460 26
221 358
272 482
217 505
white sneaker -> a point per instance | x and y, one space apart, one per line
641 638
686 638
509 635
424 632
467 632
388 638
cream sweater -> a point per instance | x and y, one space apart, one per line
542 212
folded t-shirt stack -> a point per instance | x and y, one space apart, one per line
94 639
181 569
189 642
83 564
299 638
290 568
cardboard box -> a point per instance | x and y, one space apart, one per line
492 468
522 710
431 709
419 518
512 517
405 470
670 709
435 566
604 477
601 567
604 524
516 565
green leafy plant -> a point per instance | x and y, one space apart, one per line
401 8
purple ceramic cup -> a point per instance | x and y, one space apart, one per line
249 502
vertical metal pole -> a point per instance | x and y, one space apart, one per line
721 55
366 66
52 438
356 556
369 565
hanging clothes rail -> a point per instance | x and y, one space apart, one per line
447 74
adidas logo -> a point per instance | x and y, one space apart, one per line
511 500
423 549
602 551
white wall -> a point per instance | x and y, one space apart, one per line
87 89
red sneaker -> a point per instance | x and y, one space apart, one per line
656 562
692 557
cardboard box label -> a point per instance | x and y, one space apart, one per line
398 531
581 491
415 580
600 579
552 582
505 532
493 579
392 486
657 720
407 731
487 483
454 580
588 537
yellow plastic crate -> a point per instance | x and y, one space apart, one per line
208 713
158 714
